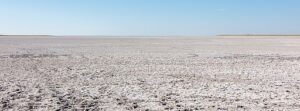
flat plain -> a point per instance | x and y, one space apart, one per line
149 74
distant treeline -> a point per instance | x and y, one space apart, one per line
258 35
25 35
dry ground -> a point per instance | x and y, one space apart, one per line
150 74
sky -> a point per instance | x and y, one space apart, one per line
149 17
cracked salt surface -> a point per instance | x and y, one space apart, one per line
149 74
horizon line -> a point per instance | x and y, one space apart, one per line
153 35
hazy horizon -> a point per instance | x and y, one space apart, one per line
149 18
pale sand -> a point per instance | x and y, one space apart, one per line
51 73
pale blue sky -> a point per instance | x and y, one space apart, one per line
149 17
